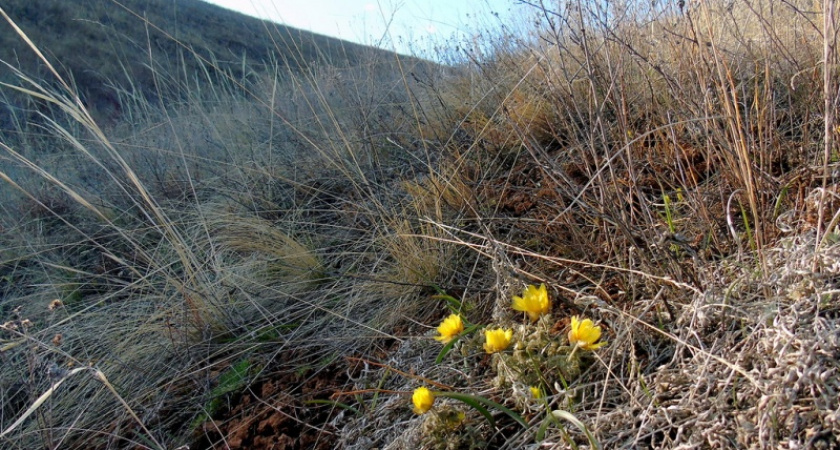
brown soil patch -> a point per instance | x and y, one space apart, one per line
277 414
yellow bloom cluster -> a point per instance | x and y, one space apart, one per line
583 335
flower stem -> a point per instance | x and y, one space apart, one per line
573 352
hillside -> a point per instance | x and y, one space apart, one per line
106 46
614 226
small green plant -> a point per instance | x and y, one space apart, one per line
232 380
554 418
669 213
526 354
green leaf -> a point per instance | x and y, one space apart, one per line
473 403
333 403
543 428
565 415
777 207
452 303
233 379
477 402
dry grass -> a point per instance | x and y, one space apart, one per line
262 264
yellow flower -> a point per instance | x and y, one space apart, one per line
423 400
497 340
450 327
534 301
584 334
536 392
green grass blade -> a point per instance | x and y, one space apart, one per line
452 303
565 415
471 401
333 403
477 402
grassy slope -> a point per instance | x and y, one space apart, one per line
106 45
260 264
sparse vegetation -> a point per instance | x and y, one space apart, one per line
294 255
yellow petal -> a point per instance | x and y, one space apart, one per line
449 328
534 302
497 340
423 400
584 334
535 392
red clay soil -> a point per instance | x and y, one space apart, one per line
274 414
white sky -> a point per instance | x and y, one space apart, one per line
420 21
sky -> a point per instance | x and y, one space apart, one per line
415 25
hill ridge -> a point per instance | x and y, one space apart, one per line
101 44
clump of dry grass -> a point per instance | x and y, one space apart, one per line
748 363
217 233
644 163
